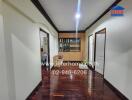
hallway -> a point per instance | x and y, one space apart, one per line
86 46
87 85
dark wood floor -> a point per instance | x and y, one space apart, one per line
63 86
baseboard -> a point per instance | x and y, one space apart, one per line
34 91
90 67
72 61
115 90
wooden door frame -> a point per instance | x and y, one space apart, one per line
48 44
100 32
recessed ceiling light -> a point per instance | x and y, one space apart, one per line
77 16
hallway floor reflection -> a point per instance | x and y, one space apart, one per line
62 86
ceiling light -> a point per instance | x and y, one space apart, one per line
77 16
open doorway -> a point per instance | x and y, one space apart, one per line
99 56
44 48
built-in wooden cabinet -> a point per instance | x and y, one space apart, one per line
69 44
72 46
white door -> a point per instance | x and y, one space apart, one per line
100 53
91 50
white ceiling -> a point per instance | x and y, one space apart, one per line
62 12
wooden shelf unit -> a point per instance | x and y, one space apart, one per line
69 45
75 51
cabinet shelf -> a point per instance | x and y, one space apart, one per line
69 44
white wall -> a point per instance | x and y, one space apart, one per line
3 73
91 50
118 68
53 48
22 69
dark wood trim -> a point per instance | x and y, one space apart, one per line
104 29
34 91
72 31
94 50
48 44
104 52
44 13
72 61
90 67
104 47
44 31
104 13
115 90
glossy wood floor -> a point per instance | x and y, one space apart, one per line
84 86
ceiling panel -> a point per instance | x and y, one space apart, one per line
62 12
